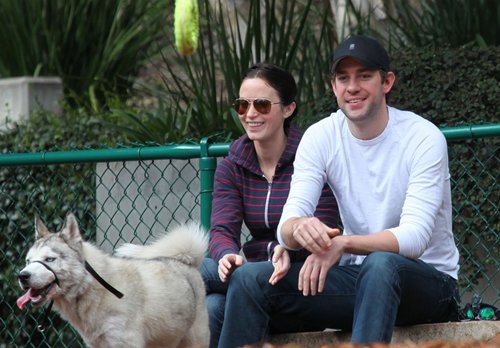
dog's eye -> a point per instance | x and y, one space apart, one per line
50 259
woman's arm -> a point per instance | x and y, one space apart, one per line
227 213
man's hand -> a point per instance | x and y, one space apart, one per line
227 264
315 269
281 263
313 235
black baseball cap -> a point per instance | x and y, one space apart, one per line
365 50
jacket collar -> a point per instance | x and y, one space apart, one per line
242 152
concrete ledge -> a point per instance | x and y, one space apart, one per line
456 331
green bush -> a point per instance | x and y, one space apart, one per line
449 86
444 23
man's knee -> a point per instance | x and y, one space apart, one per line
381 268
381 261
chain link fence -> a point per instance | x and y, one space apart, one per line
132 195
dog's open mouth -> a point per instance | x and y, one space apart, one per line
36 296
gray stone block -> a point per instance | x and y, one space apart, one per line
456 331
20 96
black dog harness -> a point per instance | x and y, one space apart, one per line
88 267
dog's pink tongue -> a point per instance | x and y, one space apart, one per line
21 301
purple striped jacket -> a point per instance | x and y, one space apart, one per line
243 194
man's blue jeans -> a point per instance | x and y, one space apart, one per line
369 299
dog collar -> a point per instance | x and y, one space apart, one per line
104 283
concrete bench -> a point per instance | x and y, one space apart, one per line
453 331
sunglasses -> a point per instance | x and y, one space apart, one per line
262 105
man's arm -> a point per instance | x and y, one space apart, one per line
312 234
308 182
367 243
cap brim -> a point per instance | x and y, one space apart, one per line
360 60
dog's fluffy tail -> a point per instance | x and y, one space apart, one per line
186 243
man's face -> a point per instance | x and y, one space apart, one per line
360 91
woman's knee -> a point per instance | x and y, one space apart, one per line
215 306
210 275
208 269
252 274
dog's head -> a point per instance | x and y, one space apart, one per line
51 263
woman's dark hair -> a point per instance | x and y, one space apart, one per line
279 79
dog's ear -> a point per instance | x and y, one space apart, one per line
71 233
40 228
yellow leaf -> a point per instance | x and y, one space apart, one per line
186 26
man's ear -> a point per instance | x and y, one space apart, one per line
334 87
390 79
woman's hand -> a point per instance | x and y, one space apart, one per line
281 263
227 264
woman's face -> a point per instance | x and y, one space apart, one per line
261 126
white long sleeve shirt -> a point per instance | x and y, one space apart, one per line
398 181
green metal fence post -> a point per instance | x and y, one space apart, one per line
207 171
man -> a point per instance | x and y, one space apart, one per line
396 262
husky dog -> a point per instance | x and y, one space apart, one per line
163 303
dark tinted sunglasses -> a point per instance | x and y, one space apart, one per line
262 105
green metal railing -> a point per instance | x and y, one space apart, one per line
471 132
131 194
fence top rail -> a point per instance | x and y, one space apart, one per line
471 131
185 151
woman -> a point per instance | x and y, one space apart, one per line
251 186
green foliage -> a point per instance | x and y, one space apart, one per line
196 91
158 125
199 89
94 46
449 86
45 131
445 22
